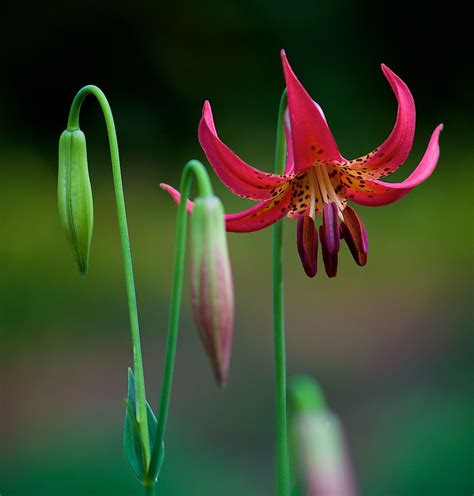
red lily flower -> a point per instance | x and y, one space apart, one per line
318 181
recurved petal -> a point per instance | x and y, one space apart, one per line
311 137
376 193
238 176
259 216
389 156
176 196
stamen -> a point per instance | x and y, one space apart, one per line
328 193
307 240
331 192
356 236
313 188
330 259
331 227
322 187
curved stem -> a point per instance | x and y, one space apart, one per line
279 321
205 189
73 123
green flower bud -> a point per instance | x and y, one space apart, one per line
212 290
75 195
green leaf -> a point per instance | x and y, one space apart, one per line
132 441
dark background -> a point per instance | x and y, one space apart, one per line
390 344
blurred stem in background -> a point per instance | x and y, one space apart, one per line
73 124
279 321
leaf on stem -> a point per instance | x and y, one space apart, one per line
132 441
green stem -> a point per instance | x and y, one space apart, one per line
73 123
150 490
279 321
205 189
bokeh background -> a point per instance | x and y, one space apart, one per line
390 344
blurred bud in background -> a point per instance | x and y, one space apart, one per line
75 195
211 283
320 460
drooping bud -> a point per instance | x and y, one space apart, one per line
322 464
212 289
356 237
307 241
75 195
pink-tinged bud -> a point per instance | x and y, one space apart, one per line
324 460
211 283
307 240
321 460
356 237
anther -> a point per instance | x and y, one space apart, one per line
356 237
307 241
330 259
331 226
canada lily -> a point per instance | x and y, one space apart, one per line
318 181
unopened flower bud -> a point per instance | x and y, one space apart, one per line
75 195
323 465
211 283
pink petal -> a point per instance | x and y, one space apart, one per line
395 149
176 195
239 177
261 215
312 140
376 193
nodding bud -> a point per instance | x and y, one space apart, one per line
355 234
307 240
75 195
211 283
321 457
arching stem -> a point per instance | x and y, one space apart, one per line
195 168
73 123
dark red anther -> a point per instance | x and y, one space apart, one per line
330 259
331 227
307 240
356 236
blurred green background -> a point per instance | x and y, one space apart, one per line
390 344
